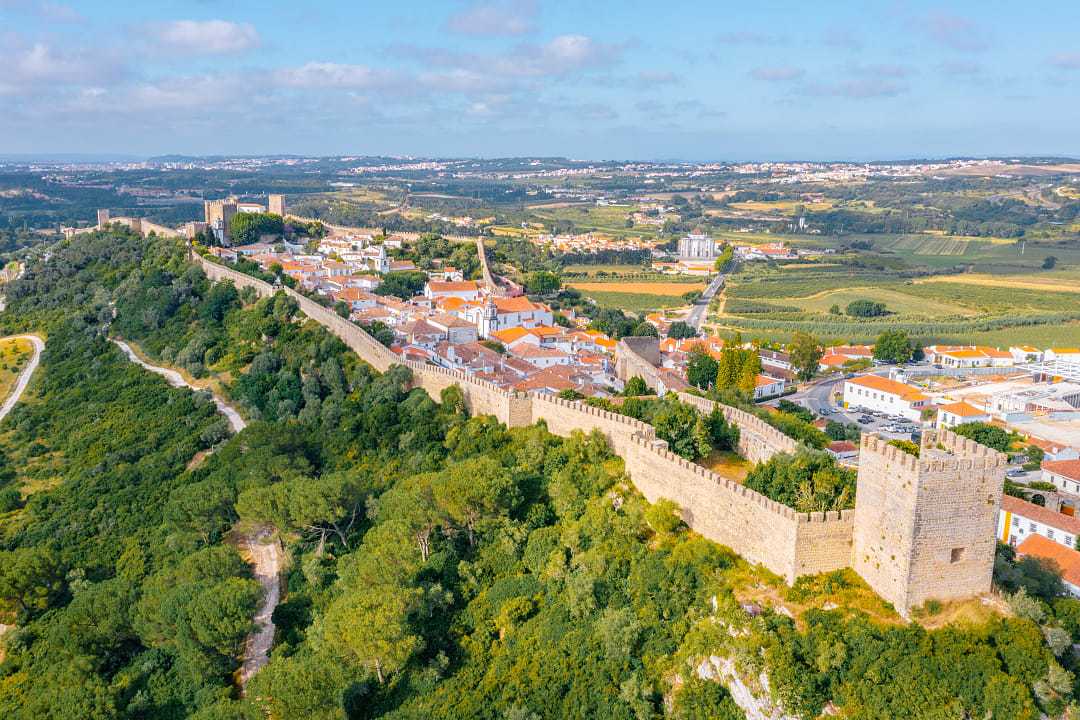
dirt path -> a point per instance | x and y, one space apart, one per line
266 556
24 376
177 380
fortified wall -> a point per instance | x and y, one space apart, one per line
923 528
757 528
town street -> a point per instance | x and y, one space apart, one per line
697 312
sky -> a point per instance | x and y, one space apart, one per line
625 80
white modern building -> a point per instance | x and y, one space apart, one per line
697 246
880 394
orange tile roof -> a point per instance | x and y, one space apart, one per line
885 385
515 304
763 380
1067 560
510 335
962 409
463 286
1060 521
1065 468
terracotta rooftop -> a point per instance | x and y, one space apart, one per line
962 409
1068 561
1059 521
1065 468
885 385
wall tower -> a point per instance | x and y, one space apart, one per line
276 204
924 526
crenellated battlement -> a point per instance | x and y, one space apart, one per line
947 552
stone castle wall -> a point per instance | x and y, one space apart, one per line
757 528
758 440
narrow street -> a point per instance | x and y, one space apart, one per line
701 305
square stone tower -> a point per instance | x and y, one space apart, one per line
924 526
275 204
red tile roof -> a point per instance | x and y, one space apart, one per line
1068 561
1031 511
1065 468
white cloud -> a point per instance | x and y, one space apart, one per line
1066 61
562 55
504 18
202 37
40 64
335 75
952 31
781 73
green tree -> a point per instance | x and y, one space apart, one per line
542 282
372 625
246 228
636 386
701 369
866 309
402 284
680 330
985 434
31 580
806 352
893 346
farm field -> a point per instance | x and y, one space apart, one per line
786 207
634 302
897 302
605 218
14 355
609 269
638 288
1047 282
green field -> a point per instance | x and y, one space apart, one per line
609 219
1039 308
635 302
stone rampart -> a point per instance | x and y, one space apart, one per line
757 528
758 440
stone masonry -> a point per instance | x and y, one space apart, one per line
922 528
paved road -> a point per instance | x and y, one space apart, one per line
266 556
177 380
24 376
697 312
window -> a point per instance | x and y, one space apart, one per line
1016 522
956 555
1033 527
1050 533
1068 540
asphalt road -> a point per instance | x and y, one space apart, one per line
697 312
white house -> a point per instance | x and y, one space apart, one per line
1064 474
765 386
958 413
880 394
1019 519
466 290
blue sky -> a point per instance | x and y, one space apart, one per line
597 80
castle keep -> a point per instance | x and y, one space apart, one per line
922 528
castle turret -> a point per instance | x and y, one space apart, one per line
924 526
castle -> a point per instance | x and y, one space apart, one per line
922 527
